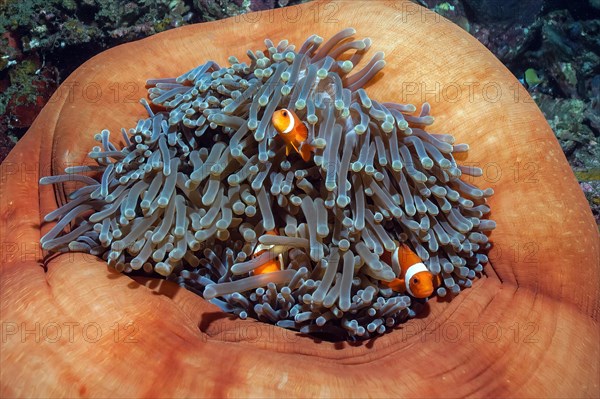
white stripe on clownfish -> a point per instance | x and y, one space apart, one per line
291 124
411 272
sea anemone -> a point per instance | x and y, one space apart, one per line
528 327
201 181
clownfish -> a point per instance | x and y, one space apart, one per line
414 279
270 266
291 129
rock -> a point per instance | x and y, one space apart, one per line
521 12
567 54
451 9
506 28
567 117
258 5
565 77
506 42
6 142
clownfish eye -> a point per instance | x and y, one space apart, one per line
284 113
415 280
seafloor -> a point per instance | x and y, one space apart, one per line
552 46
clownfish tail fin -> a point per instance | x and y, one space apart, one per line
305 151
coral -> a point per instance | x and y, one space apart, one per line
222 8
28 86
567 119
591 189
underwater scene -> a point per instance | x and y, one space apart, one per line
240 198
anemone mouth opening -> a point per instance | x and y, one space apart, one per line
205 194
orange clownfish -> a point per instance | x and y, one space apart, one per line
291 129
270 266
414 277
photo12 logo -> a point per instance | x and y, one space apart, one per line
67 332
471 331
